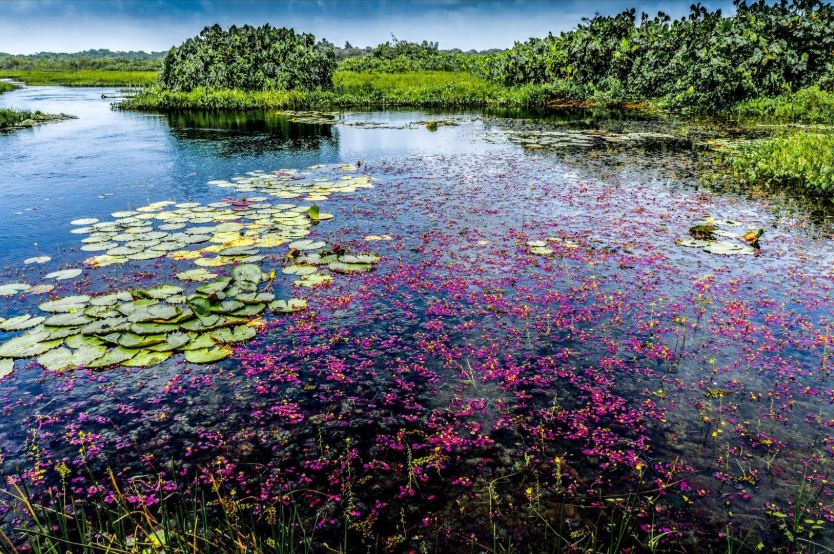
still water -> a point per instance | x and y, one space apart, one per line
536 344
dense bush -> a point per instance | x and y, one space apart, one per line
399 56
704 61
250 58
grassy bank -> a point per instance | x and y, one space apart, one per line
353 89
81 78
6 87
14 119
803 161
808 105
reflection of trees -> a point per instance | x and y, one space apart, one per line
250 132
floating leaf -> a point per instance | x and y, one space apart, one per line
66 304
207 355
313 212
147 358
11 289
20 323
240 333
64 274
37 260
6 367
196 275
288 306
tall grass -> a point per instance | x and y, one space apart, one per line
421 89
808 105
189 522
82 77
6 87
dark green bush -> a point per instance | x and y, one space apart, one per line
705 61
250 58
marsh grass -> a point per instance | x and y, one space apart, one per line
191 522
81 78
6 87
420 89
803 160
808 105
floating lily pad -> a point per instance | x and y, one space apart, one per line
196 275
30 344
147 358
240 333
288 306
207 355
64 274
66 304
37 260
11 289
21 322
6 367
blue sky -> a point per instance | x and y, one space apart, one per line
28 26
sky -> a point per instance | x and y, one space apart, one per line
28 26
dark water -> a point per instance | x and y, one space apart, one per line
465 382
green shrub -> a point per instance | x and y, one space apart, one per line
249 58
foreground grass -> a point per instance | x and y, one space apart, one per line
425 89
81 78
803 161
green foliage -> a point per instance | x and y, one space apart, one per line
704 61
803 160
101 59
399 56
6 87
82 78
811 105
249 58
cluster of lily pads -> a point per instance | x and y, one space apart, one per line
290 184
144 327
559 138
722 237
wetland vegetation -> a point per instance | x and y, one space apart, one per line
250 310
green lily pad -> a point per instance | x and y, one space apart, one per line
105 326
240 333
299 270
249 310
113 356
152 328
29 344
347 268
66 304
37 260
200 342
288 306
74 319
21 322
132 340
82 341
147 358
64 274
11 289
198 274
173 341
359 259
207 355
307 244
6 367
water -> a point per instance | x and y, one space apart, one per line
465 380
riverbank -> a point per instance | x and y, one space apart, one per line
81 77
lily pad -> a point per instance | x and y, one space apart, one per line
240 333
64 274
37 260
6 367
20 323
288 306
11 289
207 355
66 304
147 358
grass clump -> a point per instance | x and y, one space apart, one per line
6 87
804 160
82 77
16 119
808 105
